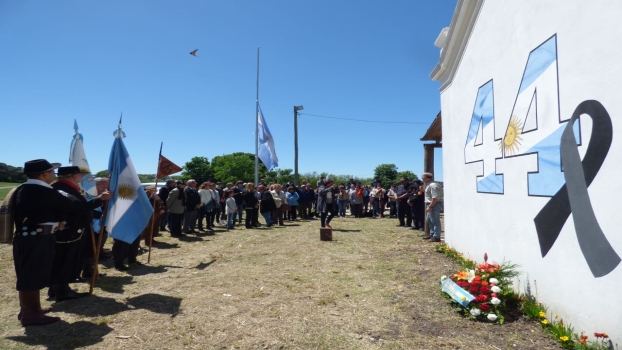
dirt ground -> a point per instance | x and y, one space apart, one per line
374 286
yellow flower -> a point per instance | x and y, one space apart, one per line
563 338
545 322
542 314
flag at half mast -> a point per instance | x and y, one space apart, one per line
129 209
266 151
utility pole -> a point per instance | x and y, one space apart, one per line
296 109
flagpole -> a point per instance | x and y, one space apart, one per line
257 126
154 202
95 273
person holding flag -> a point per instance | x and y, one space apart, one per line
129 208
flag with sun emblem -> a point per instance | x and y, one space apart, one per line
266 151
129 209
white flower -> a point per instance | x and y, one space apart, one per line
476 312
470 275
495 301
492 317
495 289
443 278
493 281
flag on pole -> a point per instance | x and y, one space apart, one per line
77 157
266 152
129 209
166 167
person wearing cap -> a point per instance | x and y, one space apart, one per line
74 247
176 203
38 211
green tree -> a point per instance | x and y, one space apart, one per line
387 173
407 174
199 169
147 177
103 173
10 173
236 166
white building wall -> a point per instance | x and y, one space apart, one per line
589 63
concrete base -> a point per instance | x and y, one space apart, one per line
326 234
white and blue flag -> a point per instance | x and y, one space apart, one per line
266 152
129 209
77 157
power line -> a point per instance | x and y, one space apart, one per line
361 120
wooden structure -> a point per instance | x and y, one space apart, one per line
326 234
434 133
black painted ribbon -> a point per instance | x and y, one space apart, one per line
573 196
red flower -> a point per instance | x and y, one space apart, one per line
484 283
475 283
494 295
484 307
481 298
484 290
478 277
473 289
462 284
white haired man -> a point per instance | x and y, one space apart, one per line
434 196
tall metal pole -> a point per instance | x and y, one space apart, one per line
257 125
296 146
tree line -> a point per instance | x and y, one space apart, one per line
241 166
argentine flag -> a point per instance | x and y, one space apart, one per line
266 151
77 157
129 209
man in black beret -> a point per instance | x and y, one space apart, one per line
73 243
38 212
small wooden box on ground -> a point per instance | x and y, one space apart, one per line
326 234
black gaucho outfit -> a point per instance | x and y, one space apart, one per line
33 254
73 244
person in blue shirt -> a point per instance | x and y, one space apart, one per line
292 199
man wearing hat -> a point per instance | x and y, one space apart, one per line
38 212
73 243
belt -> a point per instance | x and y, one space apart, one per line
37 230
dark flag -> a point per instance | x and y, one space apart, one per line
166 167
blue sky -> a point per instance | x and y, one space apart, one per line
92 60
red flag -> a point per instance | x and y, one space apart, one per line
166 167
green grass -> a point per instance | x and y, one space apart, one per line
5 191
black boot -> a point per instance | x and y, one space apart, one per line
63 292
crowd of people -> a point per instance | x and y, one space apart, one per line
188 209
56 225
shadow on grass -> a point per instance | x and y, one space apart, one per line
202 265
114 284
164 245
141 270
340 230
63 335
161 304
189 238
95 306
92 306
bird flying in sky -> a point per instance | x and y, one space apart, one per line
194 53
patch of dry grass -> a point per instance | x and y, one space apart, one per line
376 285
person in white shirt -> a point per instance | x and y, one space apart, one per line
434 197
